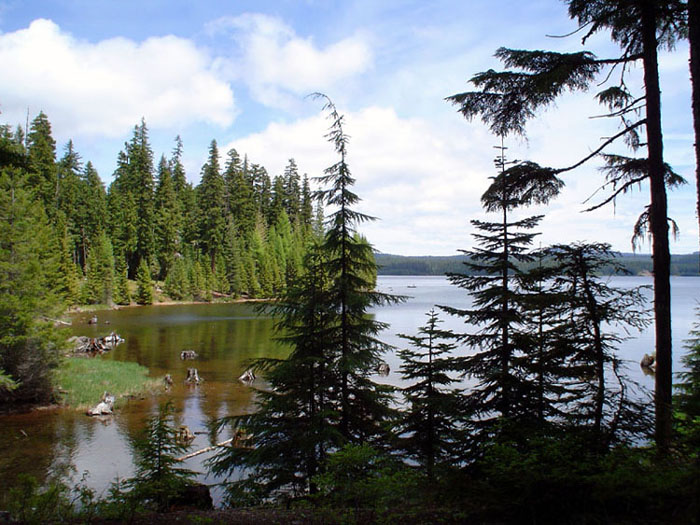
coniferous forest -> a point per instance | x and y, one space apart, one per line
524 415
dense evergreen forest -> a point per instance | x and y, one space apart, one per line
68 241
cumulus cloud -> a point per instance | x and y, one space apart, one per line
424 178
105 87
278 65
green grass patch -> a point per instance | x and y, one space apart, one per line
82 381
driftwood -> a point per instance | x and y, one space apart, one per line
247 377
95 345
240 440
104 407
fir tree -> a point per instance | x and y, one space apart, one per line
212 206
295 425
100 272
121 284
167 219
429 429
41 150
507 100
29 345
504 398
363 404
590 307
144 284
158 479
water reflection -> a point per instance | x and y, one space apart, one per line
225 338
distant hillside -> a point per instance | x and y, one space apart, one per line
636 264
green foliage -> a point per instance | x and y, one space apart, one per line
158 478
687 399
429 428
121 284
29 345
176 283
361 477
364 405
100 272
144 284
55 503
296 423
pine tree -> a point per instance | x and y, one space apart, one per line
67 278
504 398
507 100
363 403
591 307
212 206
167 219
295 425
144 284
29 345
241 202
177 283
158 480
121 284
41 150
100 272
429 428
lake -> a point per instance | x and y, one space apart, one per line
226 336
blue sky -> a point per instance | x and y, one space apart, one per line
238 72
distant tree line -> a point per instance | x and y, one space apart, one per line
630 263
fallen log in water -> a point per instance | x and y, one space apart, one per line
204 450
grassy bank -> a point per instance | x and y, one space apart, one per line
82 381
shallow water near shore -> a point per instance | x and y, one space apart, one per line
225 337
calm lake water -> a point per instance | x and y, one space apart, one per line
225 337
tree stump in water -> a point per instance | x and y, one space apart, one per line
247 377
104 407
192 377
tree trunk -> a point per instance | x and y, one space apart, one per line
659 229
694 41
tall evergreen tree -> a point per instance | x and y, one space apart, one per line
100 271
295 425
363 403
167 221
241 202
29 344
590 307
144 284
503 398
41 150
212 206
507 100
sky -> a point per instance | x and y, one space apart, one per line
239 72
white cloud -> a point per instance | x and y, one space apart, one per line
424 179
105 87
278 65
